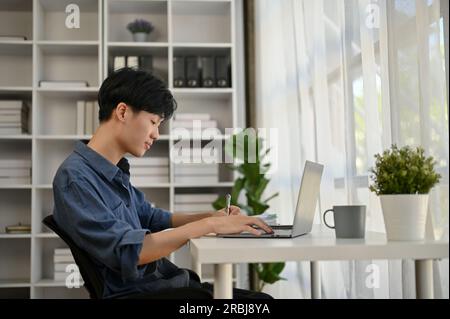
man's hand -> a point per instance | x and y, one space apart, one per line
234 210
236 224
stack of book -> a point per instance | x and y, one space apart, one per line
196 173
141 62
62 258
62 84
87 117
186 203
149 170
13 38
191 121
15 172
13 117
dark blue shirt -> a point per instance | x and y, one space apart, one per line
96 205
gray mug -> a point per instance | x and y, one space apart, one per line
349 221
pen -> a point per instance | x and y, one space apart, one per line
228 201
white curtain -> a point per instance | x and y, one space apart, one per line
342 80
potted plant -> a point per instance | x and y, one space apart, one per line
140 29
402 178
252 182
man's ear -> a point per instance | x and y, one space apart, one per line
121 111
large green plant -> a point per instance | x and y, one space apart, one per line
403 171
246 150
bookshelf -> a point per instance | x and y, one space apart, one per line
54 52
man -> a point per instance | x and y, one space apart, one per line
106 216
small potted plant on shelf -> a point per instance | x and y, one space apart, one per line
140 29
403 178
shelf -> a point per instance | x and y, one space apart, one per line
72 93
69 47
191 27
138 44
195 45
16 137
130 48
51 13
120 13
158 185
14 236
16 18
46 235
63 137
15 283
49 283
15 186
201 21
220 184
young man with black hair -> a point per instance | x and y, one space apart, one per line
110 219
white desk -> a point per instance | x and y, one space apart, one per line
320 244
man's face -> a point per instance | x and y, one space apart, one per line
141 129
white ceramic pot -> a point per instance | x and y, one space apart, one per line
405 216
140 37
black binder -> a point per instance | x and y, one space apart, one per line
208 72
223 70
192 71
179 75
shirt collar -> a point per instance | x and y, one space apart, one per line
99 163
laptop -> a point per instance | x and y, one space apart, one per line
305 209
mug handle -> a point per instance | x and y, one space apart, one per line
325 220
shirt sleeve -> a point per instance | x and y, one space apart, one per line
153 218
97 230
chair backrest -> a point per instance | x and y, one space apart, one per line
93 280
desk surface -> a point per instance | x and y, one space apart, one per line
320 244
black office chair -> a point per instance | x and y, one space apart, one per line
93 280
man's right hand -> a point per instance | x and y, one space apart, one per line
236 224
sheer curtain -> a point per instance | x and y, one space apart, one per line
343 80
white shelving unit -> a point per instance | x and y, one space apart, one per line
54 52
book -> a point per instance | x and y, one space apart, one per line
11 105
196 207
89 118
151 170
61 267
196 169
119 62
60 275
12 38
148 161
146 63
15 172
62 84
15 163
10 130
63 259
14 180
192 116
133 62
62 251
195 198
194 179
80 117
142 180
10 118
190 124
